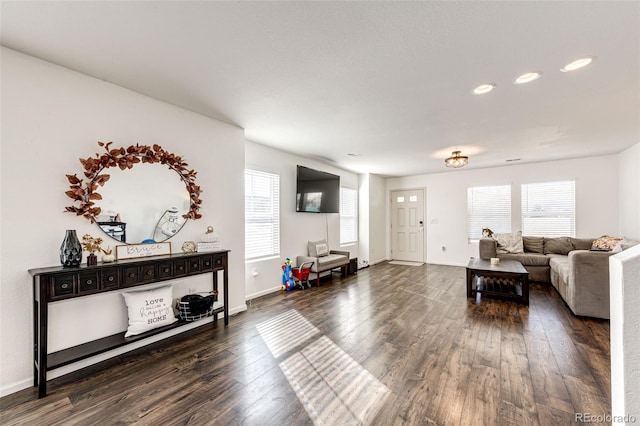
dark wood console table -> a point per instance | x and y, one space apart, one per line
58 283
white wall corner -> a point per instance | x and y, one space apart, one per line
624 273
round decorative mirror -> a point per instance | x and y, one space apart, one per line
146 203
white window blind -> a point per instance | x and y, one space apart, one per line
488 207
262 214
348 215
548 209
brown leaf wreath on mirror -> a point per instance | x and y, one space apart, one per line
85 192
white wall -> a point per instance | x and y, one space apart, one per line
372 219
296 229
596 200
51 116
363 219
629 192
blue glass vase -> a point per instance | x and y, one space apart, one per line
70 250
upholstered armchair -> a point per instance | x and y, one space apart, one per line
324 259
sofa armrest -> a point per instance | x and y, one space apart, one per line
344 253
589 282
487 248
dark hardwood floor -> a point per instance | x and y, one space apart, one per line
390 345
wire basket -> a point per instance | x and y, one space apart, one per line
186 312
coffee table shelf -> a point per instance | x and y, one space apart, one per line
507 280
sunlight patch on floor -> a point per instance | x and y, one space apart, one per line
332 386
285 332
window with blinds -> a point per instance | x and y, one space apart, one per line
262 214
488 207
549 209
348 216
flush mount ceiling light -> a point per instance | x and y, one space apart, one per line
456 160
484 88
528 77
577 64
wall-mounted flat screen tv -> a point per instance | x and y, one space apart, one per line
317 192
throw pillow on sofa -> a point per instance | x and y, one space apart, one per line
605 243
582 243
533 244
509 243
318 248
560 245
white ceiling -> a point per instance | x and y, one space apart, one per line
390 81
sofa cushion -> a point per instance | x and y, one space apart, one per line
509 243
560 245
582 243
318 248
533 244
527 259
560 264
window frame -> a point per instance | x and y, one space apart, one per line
482 219
546 191
348 217
269 216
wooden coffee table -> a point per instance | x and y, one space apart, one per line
509 280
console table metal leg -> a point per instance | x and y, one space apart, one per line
41 339
225 286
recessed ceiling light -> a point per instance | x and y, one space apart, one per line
528 77
353 154
577 64
484 88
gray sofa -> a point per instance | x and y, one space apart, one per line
580 276
324 259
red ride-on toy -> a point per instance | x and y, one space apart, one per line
301 275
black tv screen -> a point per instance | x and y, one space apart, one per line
317 192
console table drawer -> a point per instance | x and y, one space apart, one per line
88 282
134 275
218 261
165 270
207 263
180 268
148 273
63 286
194 266
110 278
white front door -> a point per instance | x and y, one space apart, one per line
407 225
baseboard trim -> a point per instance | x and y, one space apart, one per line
447 263
262 293
15 387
